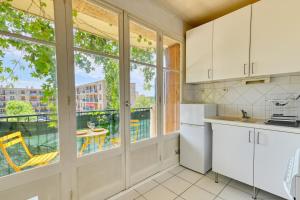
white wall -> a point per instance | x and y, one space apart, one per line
151 12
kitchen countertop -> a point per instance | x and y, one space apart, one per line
252 123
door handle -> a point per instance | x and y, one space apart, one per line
209 73
208 76
245 65
252 67
258 137
127 104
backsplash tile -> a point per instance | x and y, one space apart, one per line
232 96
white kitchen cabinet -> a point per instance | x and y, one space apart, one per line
275 37
231 42
233 149
199 54
273 150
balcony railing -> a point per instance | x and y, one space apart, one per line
41 133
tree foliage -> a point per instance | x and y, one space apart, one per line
14 108
144 102
42 61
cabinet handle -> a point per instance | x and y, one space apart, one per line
258 137
252 67
249 137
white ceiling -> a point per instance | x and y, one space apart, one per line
196 12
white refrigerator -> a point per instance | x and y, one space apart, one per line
196 136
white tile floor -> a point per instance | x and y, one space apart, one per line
179 183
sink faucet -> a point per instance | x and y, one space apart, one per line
245 114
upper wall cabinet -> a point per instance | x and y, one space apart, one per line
199 53
231 45
275 45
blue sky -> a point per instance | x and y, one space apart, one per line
81 77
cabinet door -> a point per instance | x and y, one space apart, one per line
272 153
275 44
199 54
233 149
231 45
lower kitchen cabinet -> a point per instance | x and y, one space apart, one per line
233 150
257 157
272 152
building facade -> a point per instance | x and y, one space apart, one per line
91 96
30 95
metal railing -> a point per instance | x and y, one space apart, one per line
41 133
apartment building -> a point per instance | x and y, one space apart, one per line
92 96
31 95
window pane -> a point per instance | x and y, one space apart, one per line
171 101
28 87
142 44
31 18
96 77
143 102
171 53
97 103
95 28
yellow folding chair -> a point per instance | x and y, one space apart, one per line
134 123
34 160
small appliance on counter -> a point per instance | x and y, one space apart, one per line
282 109
292 179
196 136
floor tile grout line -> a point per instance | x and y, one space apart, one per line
169 190
175 175
189 181
164 180
158 184
189 186
226 185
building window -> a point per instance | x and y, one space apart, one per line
171 85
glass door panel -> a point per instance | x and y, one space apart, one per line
96 57
28 86
143 83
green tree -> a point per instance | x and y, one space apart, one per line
14 108
144 102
